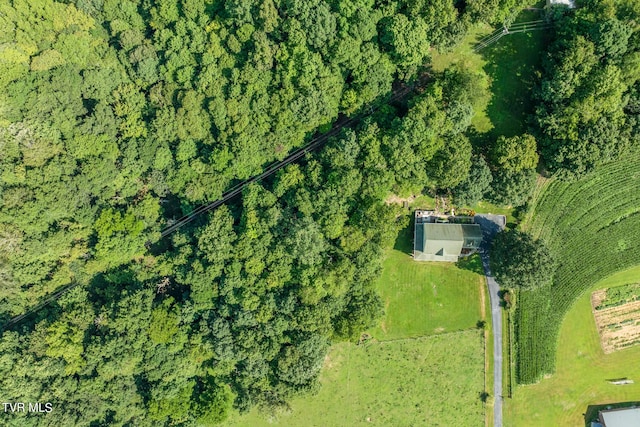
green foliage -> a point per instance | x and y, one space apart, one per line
512 188
515 154
518 261
119 237
440 17
578 333
301 363
471 190
428 147
118 117
592 227
492 11
349 389
164 322
582 115
406 39
212 402
450 165
619 295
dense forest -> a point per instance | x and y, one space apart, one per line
589 96
117 117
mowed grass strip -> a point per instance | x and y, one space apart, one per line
582 371
426 298
467 58
430 381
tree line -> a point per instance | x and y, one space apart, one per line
118 115
587 113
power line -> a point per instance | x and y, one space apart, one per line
40 305
296 155
232 192
270 170
519 27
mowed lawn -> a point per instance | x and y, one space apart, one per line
512 65
467 58
405 375
426 298
582 371
430 381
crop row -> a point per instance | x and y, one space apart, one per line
591 226
620 295
563 202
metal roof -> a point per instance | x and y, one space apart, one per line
621 417
444 242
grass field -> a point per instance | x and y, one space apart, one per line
397 380
424 298
593 225
512 65
414 382
432 380
465 56
581 371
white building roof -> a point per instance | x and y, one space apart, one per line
569 3
621 417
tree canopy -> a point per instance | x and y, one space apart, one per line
518 261
515 154
585 115
120 116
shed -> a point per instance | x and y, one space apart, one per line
624 417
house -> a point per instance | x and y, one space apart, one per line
569 3
436 241
623 417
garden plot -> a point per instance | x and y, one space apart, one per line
617 315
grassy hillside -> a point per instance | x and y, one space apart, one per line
581 371
594 227
413 382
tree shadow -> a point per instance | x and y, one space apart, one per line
471 263
593 410
480 141
404 241
490 225
505 298
103 289
26 323
109 287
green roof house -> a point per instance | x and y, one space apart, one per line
445 242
